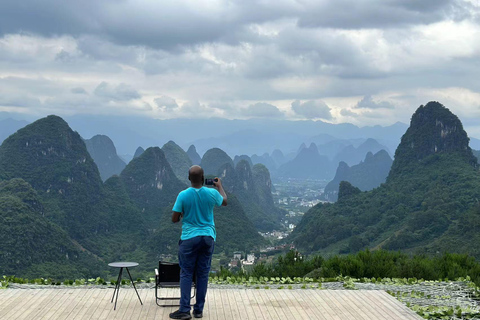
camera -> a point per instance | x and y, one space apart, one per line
209 182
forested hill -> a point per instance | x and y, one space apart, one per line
428 204
178 160
104 153
253 188
53 159
56 196
151 183
60 220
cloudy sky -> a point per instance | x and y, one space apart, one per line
365 62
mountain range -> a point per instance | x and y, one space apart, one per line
57 211
62 218
235 137
366 175
428 204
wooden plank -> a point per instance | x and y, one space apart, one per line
261 304
208 309
148 304
105 305
239 305
243 300
266 297
395 306
364 310
126 303
227 307
83 304
386 312
12 299
306 299
287 297
399 305
6 294
248 304
66 308
316 308
96 301
51 296
348 308
230 295
324 297
150 308
324 308
70 305
17 305
50 310
257 310
134 309
342 312
282 310
34 302
218 305
280 305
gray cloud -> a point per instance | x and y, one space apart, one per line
359 14
263 110
78 90
312 109
194 109
170 24
368 103
166 103
15 100
218 55
121 92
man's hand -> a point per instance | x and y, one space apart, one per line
217 183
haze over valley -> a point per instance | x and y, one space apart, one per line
83 190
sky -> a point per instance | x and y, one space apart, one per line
366 62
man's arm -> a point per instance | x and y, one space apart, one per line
218 185
176 216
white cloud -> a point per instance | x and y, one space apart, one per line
262 110
120 92
166 103
368 103
312 109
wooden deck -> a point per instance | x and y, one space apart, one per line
80 304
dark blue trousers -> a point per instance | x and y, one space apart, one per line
194 256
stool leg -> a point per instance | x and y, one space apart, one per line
134 286
118 290
116 285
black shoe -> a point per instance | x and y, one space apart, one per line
197 314
180 315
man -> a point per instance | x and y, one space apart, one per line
196 244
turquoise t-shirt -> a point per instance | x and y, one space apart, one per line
197 208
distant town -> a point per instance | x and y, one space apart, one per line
296 196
